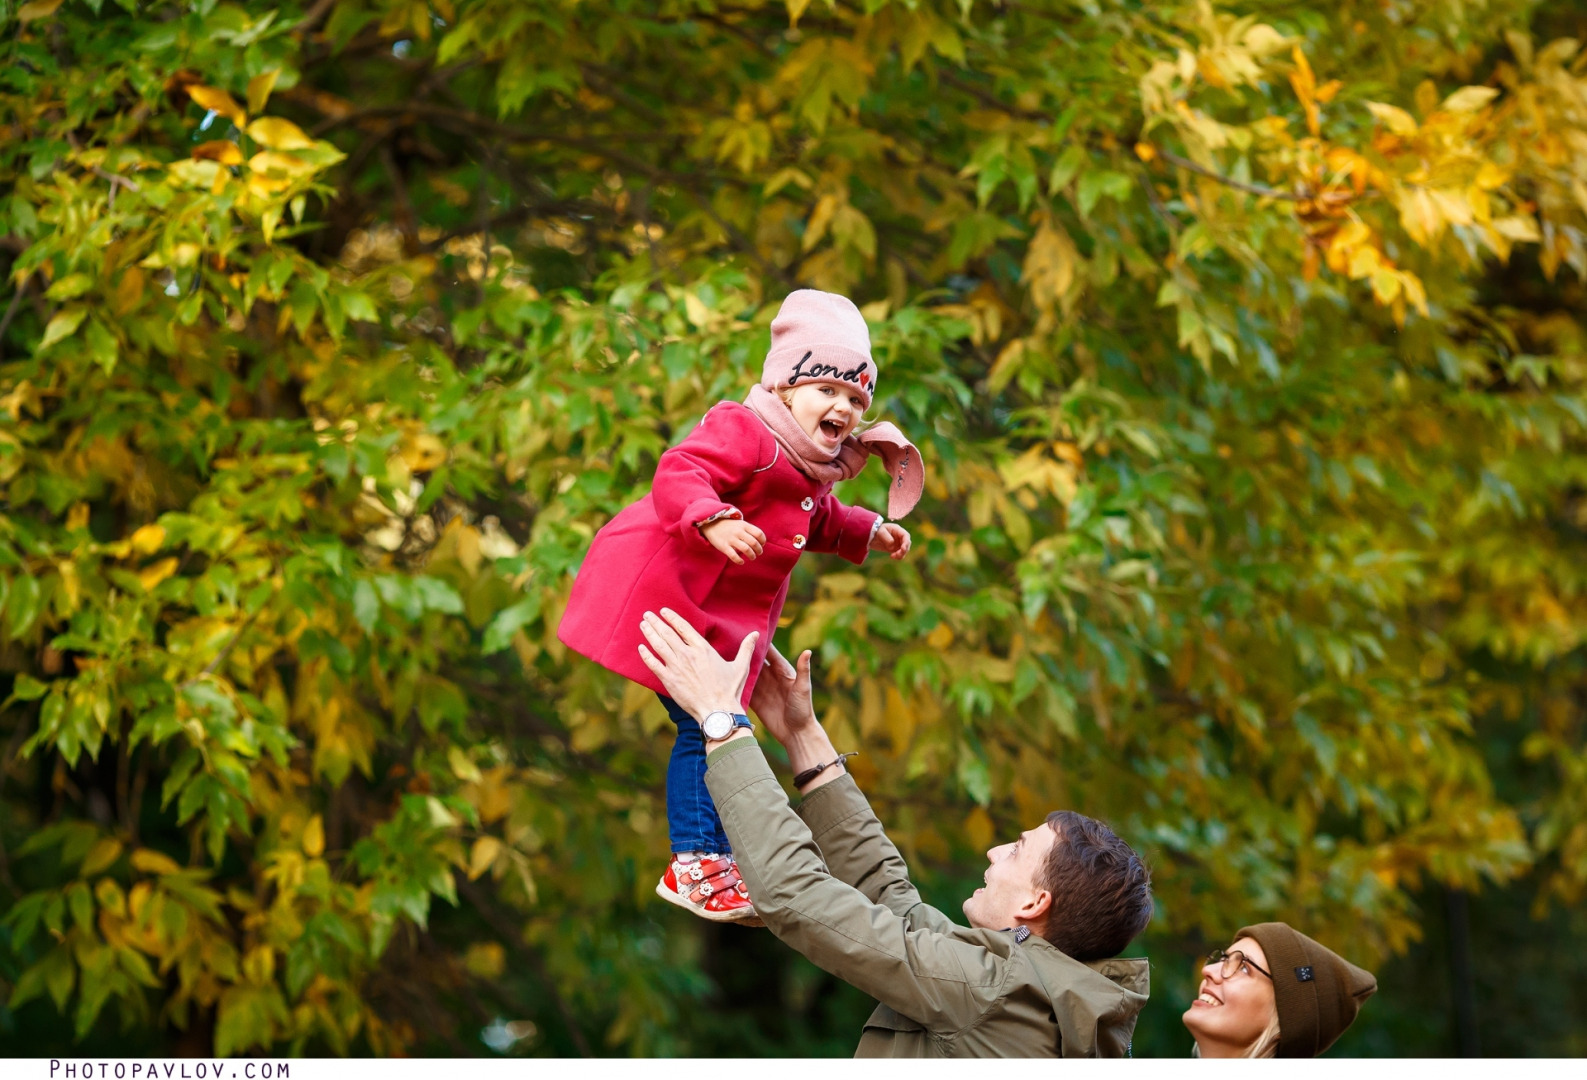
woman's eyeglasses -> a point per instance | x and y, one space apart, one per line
1232 962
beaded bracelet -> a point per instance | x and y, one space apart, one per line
816 770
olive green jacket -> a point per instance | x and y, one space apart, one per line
829 884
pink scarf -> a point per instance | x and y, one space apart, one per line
898 454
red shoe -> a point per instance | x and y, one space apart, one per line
710 888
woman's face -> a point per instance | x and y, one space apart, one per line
826 412
1229 1015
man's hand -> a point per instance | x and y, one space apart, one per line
781 698
695 676
738 540
891 538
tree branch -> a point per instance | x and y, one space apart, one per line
312 17
209 668
1228 181
11 309
990 100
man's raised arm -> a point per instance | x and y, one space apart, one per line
840 818
936 979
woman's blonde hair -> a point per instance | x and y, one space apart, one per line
1266 1044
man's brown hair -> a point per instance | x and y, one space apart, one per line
1101 891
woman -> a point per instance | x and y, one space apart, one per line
1275 993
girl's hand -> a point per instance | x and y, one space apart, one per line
893 539
738 540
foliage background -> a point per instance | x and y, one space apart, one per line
1245 340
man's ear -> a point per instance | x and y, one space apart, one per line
1035 907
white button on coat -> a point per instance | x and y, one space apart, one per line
808 504
799 540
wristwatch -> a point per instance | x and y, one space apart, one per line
719 725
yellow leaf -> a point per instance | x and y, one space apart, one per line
1050 264
1353 233
1006 365
1414 291
486 848
224 151
1385 285
1363 261
1453 206
1470 98
266 186
1491 176
259 88
695 311
1420 216
1517 227
978 828
782 178
1262 39
462 767
198 173
147 539
876 310
154 862
314 837
852 229
940 637
278 134
273 161
486 960
259 965
1145 151
1395 119
101 855
796 8
129 290
37 9
1481 211
424 452
820 218
150 576
218 101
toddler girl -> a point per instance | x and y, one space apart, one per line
733 507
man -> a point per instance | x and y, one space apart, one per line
1030 977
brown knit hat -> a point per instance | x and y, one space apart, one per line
1318 991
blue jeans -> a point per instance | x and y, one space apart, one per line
692 821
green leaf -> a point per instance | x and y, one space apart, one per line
27 688
1096 183
366 604
438 595
1065 168
69 287
63 324
508 621
22 605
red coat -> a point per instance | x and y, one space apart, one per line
651 555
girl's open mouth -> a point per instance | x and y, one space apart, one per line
831 429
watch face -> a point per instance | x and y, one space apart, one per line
718 725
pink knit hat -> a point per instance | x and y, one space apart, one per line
820 337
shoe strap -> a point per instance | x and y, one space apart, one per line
716 876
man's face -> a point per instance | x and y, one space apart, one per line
1010 890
